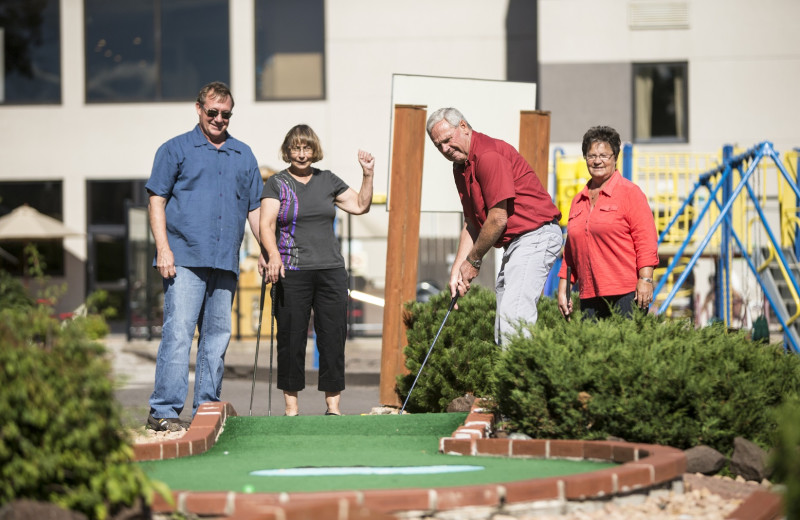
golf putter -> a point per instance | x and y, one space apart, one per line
271 345
450 308
569 291
258 339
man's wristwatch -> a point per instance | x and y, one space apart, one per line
475 263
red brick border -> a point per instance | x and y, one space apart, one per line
641 467
202 434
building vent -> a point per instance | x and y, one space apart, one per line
644 15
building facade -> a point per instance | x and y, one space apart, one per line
91 88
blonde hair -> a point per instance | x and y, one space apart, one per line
301 135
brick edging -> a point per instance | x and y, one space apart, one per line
759 505
642 466
201 435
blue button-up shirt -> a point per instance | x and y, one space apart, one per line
209 193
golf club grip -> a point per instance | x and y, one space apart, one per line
453 302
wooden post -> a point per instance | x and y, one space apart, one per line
534 141
402 248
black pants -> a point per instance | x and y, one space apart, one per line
600 306
324 291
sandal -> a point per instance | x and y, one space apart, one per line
328 412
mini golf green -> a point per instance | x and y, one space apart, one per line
369 444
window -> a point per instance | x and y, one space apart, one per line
30 50
660 104
45 197
290 63
155 50
107 212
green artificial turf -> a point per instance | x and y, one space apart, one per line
261 443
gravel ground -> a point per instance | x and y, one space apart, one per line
704 498
145 436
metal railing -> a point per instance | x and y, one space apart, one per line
697 210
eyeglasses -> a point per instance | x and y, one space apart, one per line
304 149
603 157
213 112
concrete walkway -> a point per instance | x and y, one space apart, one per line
133 365
362 358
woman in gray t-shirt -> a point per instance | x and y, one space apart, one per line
298 207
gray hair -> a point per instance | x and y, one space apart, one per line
449 114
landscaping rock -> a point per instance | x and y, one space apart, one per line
704 459
461 404
517 436
749 460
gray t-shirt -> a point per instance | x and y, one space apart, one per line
304 232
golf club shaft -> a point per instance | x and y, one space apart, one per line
258 338
569 284
569 290
271 345
450 308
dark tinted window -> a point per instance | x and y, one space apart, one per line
106 200
155 50
107 206
660 106
30 35
290 49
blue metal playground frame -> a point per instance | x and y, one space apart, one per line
722 192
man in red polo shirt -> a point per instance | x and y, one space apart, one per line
505 206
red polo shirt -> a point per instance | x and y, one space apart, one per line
494 172
608 244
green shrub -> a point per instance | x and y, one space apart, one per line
12 293
61 438
99 302
461 361
645 379
785 458
94 326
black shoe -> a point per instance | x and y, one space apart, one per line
328 412
171 424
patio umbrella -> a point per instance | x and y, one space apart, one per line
25 223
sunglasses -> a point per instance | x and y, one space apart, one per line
213 112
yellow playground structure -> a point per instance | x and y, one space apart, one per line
736 210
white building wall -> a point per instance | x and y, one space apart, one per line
365 43
744 62
744 67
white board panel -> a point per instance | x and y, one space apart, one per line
491 107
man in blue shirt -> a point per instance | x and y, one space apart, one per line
203 186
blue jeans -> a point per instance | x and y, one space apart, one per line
526 264
198 297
